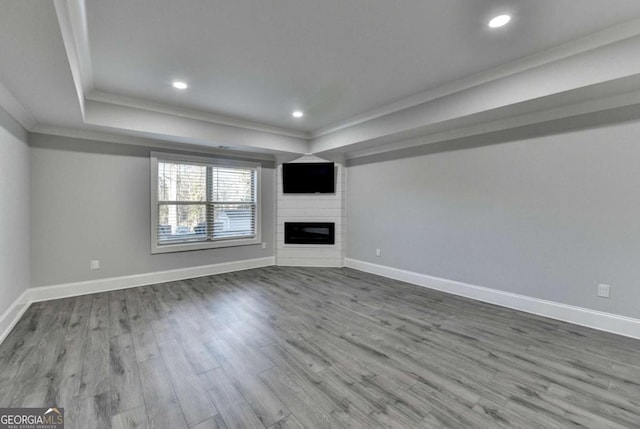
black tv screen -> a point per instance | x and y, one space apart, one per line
308 178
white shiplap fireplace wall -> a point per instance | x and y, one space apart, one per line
312 208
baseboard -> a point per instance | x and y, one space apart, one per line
602 321
44 293
580 316
12 314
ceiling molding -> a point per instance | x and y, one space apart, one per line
162 126
72 20
446 111
80 32
9 103
102 136
593 41
592 110
545 87
192 114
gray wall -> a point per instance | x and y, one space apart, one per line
549 217
90 200
14 214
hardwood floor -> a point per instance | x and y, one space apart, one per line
317 348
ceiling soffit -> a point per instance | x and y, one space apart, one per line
562 81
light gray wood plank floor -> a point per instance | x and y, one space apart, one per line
284 347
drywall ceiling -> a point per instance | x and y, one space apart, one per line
334 59
33 63
367 73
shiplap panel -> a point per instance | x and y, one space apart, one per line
310 262
311 203
305 252
339 221
338 242
311 208
311 212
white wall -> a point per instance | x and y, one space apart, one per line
549 217
91 201
14 216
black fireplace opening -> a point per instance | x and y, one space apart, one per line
309 233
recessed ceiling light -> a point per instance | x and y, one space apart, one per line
499 21
297 114
179 85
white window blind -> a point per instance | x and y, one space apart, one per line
202 203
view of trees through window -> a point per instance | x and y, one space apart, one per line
201 202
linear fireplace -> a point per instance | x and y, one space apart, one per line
309 233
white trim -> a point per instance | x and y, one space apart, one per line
12 314
183 246
602 321
44 293
112 137
72 21
121 100
17 111
616 33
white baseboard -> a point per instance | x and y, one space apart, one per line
45 293
12 314
608 322
580 316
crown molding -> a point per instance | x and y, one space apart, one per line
156 120
9 103
125 139
72 20
162 126
554 87
593 41
151 106
578 115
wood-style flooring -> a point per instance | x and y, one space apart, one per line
317 348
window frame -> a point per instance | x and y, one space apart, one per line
183 246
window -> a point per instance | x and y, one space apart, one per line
200 203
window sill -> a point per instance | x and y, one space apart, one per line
203 245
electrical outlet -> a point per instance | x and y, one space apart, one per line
95 264
264 245
378 252
604 291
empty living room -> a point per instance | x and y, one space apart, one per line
319 214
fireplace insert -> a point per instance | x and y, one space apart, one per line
309 233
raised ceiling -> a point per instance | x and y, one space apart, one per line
334 59
366 72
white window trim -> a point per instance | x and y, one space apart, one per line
200 245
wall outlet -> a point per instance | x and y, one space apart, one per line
95 264
604 291
264 245
378 252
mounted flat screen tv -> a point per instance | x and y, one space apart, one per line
308 178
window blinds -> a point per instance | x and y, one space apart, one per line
205 202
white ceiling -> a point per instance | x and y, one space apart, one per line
334 59
33 63
250 63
